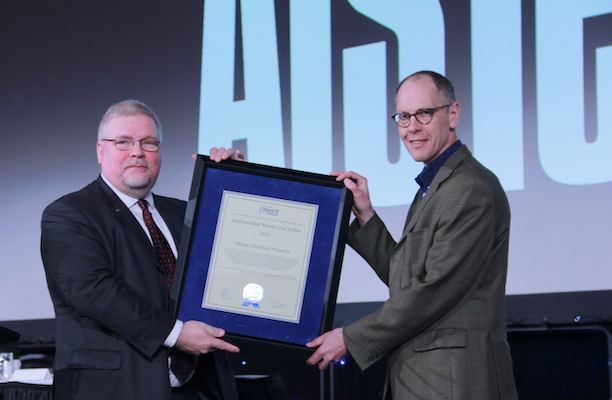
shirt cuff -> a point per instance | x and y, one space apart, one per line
174 334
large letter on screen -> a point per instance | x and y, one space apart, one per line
565 154
258 117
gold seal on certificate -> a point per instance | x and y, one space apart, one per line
265 240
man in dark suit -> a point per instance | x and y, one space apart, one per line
443 325
109 285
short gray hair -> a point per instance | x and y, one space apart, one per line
127 108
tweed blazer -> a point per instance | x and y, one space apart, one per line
443 325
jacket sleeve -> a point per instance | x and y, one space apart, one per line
374 243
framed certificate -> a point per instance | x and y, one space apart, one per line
261 252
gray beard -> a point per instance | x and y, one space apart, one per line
136 183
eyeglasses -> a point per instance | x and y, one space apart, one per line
147 144
423 116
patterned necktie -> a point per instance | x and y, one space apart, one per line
162 248
181 363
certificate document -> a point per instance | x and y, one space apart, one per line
260 256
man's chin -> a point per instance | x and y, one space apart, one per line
137 183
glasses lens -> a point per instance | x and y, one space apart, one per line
402 120
424 116
149 145
124 144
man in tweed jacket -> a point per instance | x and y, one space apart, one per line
443 325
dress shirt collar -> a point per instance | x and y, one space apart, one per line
129 201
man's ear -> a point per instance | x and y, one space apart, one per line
454 111
99 152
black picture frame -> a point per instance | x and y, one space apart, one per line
333 204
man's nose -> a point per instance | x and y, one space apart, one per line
137 150
415 125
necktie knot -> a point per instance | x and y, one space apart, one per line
143 204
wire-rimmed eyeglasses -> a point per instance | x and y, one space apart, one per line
147 144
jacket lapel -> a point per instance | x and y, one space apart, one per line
125 216
443 174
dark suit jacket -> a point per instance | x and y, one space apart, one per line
110 298
443 325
